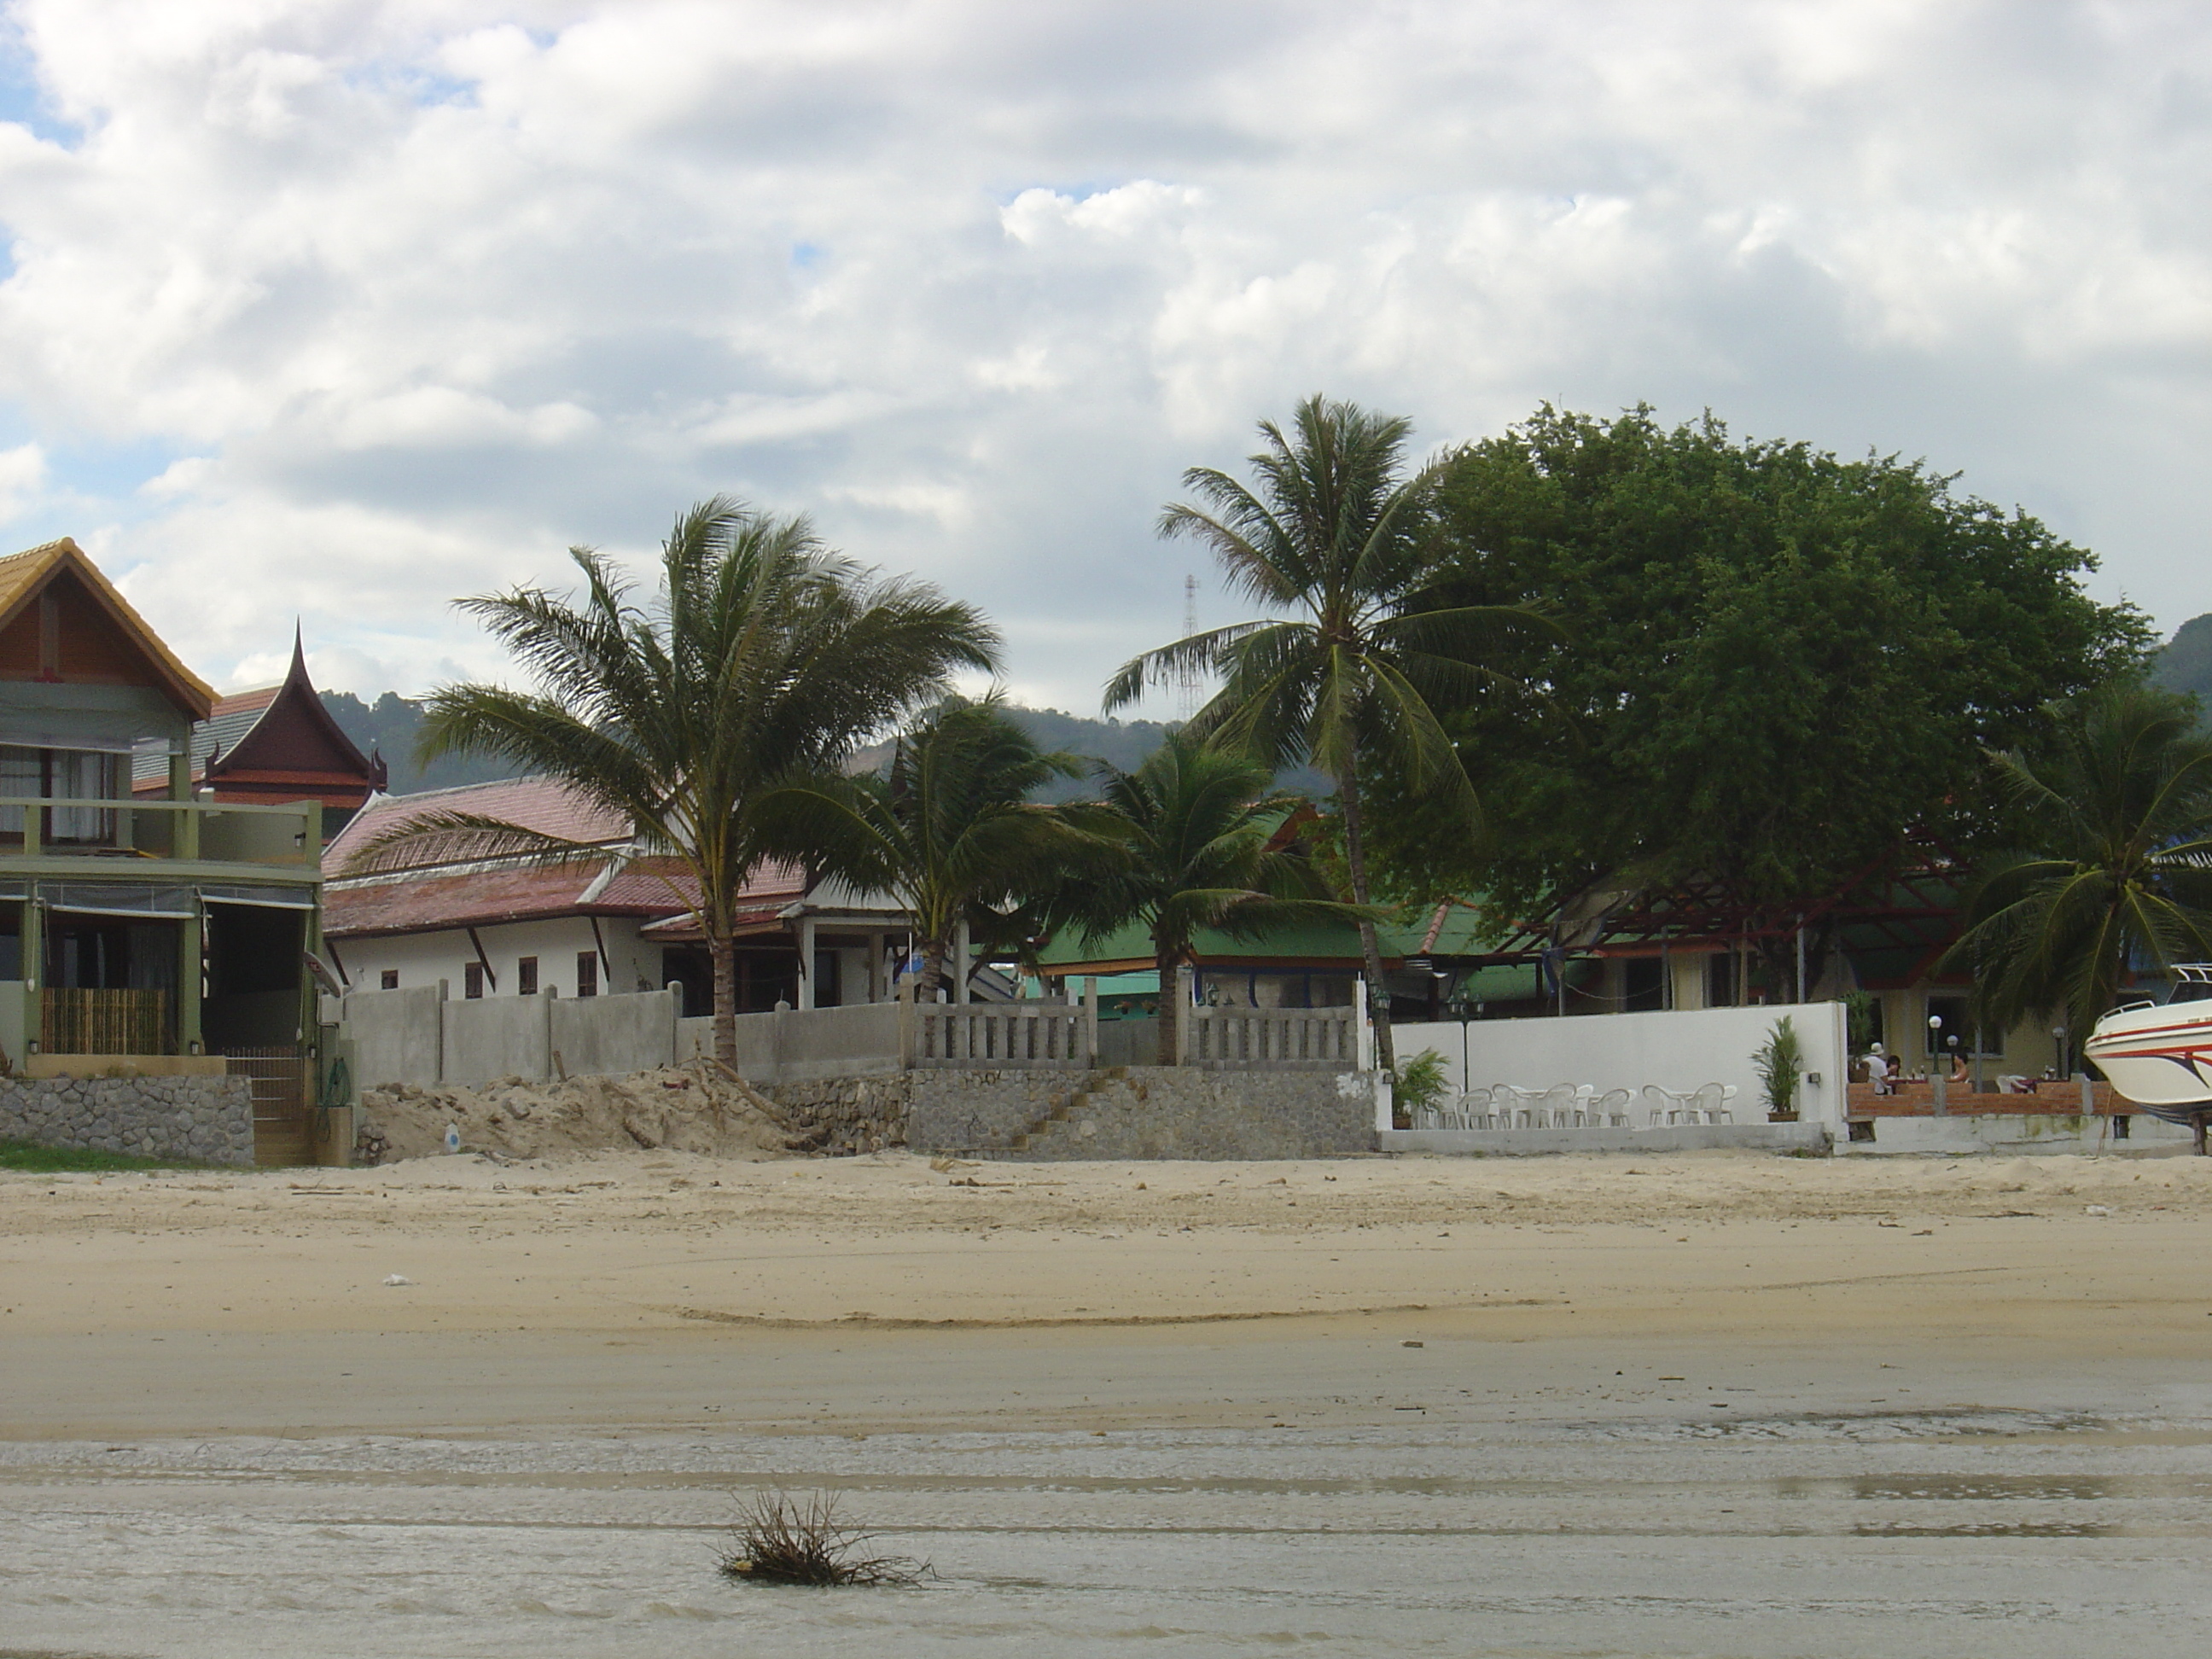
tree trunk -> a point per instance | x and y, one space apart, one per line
933 975
724 951
1167 1051
1378 992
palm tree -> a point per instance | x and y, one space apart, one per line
949 828
1191 842
2117 867
1331 533
763 657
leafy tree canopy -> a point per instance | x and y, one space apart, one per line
1778 661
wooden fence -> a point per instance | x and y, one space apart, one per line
89 1022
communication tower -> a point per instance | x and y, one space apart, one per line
1187 675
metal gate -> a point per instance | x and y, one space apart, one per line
282 1102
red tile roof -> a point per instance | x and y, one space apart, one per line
545 805
427 903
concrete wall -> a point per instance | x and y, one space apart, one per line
1144 1112
1675 1050
497 1036
2014 1133
196 1120
794 1046
396 1034
609 1037
1686 1138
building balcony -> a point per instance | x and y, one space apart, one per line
138 839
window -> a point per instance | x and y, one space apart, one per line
389 979
1720 979
472 980
526 976
588 973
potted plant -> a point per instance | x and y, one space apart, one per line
1780 1061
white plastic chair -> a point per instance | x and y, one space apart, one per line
1499 1112
1712 1104
1664 1104
1557 1110
1610 1110
1528 1108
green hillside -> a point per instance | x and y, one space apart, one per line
2186 662
391 724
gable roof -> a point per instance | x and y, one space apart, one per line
283 728
545 805
24 576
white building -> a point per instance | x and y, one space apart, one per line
504 927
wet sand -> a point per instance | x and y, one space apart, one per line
1718 1404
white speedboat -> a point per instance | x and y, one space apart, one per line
2158 1054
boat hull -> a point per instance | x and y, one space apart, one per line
2160 1056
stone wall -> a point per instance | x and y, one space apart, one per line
846 1115
197 1119
1143 1112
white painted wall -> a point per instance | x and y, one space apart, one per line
1680 1049
425 958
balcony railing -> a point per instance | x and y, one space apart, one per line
194 832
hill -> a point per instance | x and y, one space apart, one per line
2184 663
391 724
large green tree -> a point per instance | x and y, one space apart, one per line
1359 649
1190 840
949 827
1780 659
763 658
2113 868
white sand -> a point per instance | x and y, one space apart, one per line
603 1289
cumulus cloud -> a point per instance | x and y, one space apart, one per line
341 308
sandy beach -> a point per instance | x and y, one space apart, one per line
257 1302
1721 1404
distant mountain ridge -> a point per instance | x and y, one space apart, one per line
392 723
2184 662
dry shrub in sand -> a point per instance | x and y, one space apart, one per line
674 1108
781 1539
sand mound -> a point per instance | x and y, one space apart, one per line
672 1108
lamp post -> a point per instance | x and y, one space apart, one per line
1466 1013
1937 1078
2058 1044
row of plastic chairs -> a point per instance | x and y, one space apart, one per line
1577 1106
1504 1106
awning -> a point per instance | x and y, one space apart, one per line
118 898
267 898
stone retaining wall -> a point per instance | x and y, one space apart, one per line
845 1116
1144 1112
195 1120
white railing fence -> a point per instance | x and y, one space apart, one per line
1013 1036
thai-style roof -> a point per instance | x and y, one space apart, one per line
545 805
24 576
270 739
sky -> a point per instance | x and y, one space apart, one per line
340 311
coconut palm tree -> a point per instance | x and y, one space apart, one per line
1191 840
1364 648
764 656
2116 865
948 829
